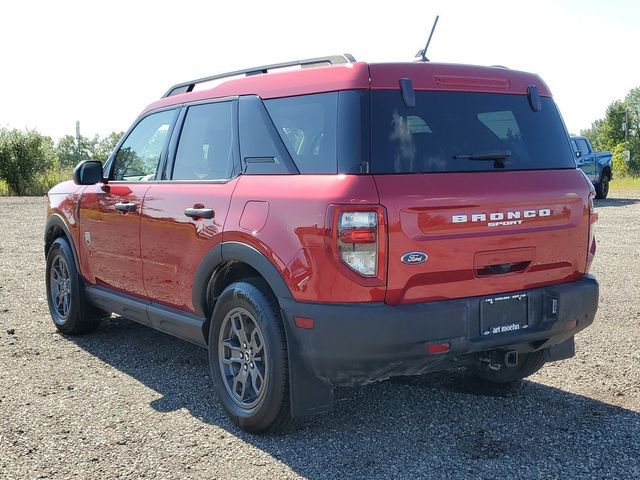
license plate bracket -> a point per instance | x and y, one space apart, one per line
504 314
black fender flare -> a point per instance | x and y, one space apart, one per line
229 251
309 395
55 220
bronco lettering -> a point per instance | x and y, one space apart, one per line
497 217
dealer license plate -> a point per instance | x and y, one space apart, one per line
503 314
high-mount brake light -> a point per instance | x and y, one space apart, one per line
358 241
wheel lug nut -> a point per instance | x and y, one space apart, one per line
245 366
251 364
244 345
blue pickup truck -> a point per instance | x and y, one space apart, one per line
598 166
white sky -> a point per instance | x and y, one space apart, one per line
103 62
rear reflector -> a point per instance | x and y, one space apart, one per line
303 322
438 347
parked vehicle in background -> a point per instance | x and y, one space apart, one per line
335 225
598 166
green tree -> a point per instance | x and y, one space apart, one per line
608 133
105 146
70 151
23 156
67 151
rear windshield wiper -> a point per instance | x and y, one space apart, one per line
496 156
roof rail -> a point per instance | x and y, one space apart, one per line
309 62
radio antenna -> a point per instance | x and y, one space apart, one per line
423 53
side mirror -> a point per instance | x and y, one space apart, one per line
88 172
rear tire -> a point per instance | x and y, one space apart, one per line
602 187
528 364
248 357
70 311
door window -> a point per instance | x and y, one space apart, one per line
207 146
138 158
582 146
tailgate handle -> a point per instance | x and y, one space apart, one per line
502 268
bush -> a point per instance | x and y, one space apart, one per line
25 160
620 167
40 184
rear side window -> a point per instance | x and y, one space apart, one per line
307 125
460 131
207 146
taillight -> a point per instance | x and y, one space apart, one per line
358 241
591 246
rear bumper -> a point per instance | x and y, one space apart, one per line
354 344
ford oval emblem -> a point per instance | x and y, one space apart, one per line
412 258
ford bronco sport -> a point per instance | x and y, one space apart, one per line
335 224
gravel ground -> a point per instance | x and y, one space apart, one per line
128 402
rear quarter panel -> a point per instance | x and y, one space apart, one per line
294 234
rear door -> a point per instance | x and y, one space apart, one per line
184 215
110 212
483 187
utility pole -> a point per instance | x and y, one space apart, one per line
78 141
626 155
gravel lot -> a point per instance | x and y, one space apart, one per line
128 402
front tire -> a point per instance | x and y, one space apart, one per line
70 311
248 357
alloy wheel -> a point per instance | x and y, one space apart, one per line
60 288
242 357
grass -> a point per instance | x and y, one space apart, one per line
41 184
44 182
625 184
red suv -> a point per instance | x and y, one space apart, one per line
335 224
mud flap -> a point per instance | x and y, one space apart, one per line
309 395
562 351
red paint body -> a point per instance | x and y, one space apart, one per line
155 251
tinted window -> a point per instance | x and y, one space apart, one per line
582 146
261 148
307 126
353 131
138 157
459 131
206 149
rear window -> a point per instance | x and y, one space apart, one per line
460 131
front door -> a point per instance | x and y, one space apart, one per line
110 212
183 217
586 160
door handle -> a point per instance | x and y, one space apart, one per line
201 212
125 207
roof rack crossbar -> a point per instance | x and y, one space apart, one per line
309 62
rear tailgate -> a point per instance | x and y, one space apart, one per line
484 183
483 232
